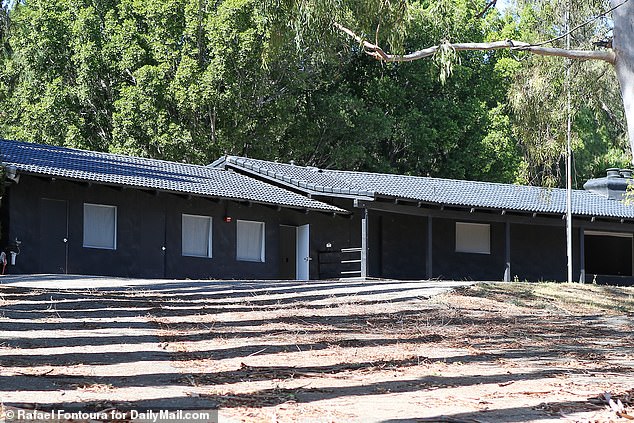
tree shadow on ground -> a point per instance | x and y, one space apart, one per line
103 319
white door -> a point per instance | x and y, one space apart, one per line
303 252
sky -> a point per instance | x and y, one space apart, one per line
502 4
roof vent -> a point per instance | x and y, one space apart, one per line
613 186
613 172
292 162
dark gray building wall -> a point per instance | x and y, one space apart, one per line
147 221
397 246
539 253
449 264
398 249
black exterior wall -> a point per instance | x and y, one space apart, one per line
539 253
398 249
396 246
537 249
147 221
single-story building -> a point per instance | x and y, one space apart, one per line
82 212
422 228
72 211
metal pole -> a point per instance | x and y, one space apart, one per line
568 156
582 256
364 243
430 251
507 252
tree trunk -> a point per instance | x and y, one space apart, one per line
623 45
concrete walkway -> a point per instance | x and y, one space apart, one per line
51 281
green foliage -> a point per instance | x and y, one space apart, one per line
194 79
539 102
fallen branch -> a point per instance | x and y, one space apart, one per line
257 352
37 374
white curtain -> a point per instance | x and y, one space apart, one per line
250 243
196 236
473 238
100 223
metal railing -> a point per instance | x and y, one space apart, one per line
351 256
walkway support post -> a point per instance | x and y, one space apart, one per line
582 256
507 252
364 243
430 253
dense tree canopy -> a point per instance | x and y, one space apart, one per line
194 79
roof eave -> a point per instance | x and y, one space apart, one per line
332 209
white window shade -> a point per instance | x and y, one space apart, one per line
250 242
100 226
196 235
473 238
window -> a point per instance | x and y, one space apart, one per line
100 226
196 236
473 238
250 243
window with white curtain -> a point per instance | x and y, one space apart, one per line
196 235
250 242
100 226
473 238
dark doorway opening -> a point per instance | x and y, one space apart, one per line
54 236
608 254
288 252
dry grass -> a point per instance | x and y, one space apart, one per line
572 298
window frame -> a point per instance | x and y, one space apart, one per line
262 258
114 235
209 236
460 248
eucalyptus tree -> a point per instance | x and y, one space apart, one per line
602 32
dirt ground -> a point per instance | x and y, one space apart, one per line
325 351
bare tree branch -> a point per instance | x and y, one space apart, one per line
581 25
489 5
379 54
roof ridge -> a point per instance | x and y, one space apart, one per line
336 172
350 185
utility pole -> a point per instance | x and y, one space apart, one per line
568 154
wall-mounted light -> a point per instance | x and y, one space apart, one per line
227 219
11 172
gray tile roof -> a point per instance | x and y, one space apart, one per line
115 169
310 179
450 192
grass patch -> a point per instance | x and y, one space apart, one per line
574 298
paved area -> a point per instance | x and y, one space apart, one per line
65 282
77 342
